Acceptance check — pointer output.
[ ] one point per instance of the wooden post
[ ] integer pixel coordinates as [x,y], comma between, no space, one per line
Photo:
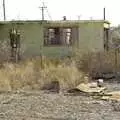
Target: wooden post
[4,10]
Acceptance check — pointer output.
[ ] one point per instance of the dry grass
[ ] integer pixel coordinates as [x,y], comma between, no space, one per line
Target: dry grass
[33,74]
[97,62]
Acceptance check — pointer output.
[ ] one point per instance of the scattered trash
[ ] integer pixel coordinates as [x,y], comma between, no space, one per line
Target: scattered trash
[100,83]
[89,88]
[115,95]
[97,90]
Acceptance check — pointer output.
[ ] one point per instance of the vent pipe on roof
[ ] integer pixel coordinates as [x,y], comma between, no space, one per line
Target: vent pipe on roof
[64,18]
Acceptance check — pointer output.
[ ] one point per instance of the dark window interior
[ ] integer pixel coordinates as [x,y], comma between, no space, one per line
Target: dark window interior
[57,36]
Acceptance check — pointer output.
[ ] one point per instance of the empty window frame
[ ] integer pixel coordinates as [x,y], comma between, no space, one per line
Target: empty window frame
[57,36]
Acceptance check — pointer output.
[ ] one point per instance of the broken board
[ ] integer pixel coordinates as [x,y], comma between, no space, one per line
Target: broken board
[87,89]
[115,95]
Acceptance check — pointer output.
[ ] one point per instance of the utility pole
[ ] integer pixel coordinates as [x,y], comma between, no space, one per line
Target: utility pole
[104,13]
[43,8]
[4,10]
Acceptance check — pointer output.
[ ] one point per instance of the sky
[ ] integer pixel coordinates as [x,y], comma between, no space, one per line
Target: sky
[72,9]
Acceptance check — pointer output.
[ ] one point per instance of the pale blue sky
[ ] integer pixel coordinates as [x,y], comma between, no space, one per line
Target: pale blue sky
[28,9]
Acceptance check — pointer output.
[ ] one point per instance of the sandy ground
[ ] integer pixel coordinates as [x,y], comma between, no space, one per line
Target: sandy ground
[37,105]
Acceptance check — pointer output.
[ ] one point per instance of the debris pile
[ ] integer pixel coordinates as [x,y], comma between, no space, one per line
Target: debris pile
[115,95]
[92,88]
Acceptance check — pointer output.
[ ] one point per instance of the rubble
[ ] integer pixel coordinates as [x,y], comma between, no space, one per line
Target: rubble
[97,90]
[115,95]
[88,89]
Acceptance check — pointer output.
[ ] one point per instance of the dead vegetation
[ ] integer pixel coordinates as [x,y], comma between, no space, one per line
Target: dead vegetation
[34,74]
[98,63]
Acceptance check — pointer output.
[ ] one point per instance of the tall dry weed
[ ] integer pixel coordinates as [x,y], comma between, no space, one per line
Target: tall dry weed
[34,74]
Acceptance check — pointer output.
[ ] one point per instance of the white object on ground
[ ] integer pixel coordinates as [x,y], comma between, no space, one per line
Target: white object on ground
[100,82]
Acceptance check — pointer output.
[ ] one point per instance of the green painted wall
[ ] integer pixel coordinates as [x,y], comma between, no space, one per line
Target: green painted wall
[57,51]
[89,34]
[31,37]
[4,32]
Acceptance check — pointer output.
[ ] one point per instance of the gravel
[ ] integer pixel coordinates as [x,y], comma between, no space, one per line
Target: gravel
[38,105]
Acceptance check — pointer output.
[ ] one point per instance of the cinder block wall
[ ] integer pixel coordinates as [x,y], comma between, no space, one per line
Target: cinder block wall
[91,36]
[88,36]
[31,37]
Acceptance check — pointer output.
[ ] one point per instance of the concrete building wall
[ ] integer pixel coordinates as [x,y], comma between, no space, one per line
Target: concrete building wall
[32,40]
[31,37]
[75,36]
[91,36]
[57,51]
[4,32]
[63,49]
[86,36]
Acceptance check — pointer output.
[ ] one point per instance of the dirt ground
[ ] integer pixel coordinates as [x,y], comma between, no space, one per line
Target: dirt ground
[37,105]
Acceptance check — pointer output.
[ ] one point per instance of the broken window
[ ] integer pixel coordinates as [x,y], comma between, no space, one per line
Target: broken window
[57,36]
[67,38]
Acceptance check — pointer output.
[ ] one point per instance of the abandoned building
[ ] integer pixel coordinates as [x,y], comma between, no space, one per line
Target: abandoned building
[58,38]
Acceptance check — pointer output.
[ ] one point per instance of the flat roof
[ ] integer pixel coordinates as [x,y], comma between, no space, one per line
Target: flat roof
[71,23]
[77,21]
[22,21]
[54,21]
